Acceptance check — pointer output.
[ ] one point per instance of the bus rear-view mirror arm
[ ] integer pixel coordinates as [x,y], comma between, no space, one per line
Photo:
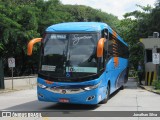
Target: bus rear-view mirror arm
[100,47]
[31,44]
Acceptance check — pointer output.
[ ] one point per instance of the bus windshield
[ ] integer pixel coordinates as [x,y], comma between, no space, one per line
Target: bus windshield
[69,55]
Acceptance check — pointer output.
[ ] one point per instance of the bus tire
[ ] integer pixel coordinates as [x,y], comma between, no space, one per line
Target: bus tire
[122,87]
[107,95]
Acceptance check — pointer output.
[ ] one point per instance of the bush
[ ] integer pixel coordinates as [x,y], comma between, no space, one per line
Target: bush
[156,84]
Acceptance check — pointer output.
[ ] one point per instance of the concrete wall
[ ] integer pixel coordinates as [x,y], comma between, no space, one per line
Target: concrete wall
[149,43]
[25,81]
[149,67]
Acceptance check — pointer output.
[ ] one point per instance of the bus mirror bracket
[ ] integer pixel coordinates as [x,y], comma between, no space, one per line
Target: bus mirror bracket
[31,44]
[100,47]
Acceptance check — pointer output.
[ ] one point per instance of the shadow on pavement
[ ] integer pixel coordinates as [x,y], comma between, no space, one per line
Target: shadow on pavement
[44,106]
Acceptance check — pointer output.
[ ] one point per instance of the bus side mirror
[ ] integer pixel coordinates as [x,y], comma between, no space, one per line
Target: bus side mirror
[100,47]
[31,44]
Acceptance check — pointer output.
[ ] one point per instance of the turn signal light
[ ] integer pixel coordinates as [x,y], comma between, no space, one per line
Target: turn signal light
[49,82]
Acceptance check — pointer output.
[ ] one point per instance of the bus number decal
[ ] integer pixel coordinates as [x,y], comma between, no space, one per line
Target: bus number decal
[82,69]
[48,68]
[59,36]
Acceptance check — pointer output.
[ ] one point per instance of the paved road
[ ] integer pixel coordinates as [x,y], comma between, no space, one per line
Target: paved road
[132,98]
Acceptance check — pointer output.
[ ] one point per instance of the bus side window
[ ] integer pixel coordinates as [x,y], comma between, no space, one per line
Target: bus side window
[103,59]
[105,52]
[110,47]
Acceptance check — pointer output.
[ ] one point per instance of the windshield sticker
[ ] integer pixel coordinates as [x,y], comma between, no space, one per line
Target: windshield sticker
[57,36]
[77,38]
[48,68]
[82,69]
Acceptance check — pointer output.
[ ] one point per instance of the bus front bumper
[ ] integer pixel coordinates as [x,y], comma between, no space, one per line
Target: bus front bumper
[75,96]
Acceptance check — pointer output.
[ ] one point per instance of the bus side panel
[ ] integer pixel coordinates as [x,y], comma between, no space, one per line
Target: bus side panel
[116,74]
[111,74]
[123,75]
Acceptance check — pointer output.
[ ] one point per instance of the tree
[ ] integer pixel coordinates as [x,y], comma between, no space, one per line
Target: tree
[18,25]
[22,20]
[133,29]
[154,19]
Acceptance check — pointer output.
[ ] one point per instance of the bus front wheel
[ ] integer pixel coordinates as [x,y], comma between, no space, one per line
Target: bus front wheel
[107,95]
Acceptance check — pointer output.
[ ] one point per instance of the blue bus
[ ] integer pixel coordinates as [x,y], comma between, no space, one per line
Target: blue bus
[80,63]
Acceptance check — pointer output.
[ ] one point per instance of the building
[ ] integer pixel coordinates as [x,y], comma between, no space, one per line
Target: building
[152,58]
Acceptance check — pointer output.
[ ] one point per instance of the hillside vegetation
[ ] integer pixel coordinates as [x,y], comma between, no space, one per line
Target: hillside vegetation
[22,20]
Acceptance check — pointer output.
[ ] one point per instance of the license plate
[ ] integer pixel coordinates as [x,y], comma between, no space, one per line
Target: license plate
[64,100]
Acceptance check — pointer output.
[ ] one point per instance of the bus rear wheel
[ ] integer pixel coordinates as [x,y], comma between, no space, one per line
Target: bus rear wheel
[122,87]
[107,95]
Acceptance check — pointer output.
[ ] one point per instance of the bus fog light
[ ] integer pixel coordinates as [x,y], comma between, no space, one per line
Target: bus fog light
[40,95]
[90,98]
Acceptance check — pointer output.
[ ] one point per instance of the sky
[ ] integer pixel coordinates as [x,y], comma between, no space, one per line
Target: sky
[115,7]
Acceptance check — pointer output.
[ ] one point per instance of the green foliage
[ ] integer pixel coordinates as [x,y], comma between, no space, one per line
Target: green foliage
[18,24]
[22,20]
[154,23]
[1,46]
[80,13]
[145,23]
[134,29]
[156,84]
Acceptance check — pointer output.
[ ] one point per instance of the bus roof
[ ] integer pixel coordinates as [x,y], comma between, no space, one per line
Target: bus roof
[81,27]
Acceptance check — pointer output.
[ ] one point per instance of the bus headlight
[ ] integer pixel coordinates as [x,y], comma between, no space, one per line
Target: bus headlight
[41,86]
[92,87]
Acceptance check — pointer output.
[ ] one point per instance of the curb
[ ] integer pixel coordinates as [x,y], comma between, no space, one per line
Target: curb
[18,89]
[20,77]
[7,91]
[150,89]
